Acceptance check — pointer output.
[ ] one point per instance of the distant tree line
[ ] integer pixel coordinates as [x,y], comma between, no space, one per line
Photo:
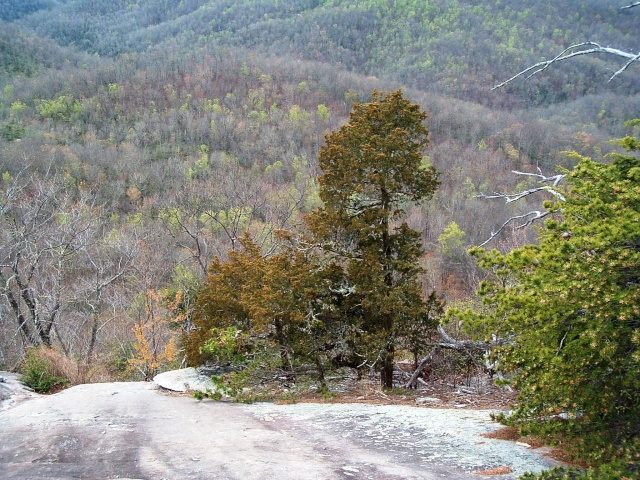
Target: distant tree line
[459,49]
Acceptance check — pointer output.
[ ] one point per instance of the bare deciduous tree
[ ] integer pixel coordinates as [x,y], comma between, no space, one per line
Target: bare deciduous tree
[58,257]
[208,216]
[42,228]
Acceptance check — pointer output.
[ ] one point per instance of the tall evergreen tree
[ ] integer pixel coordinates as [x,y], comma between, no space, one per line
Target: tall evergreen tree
[372,167]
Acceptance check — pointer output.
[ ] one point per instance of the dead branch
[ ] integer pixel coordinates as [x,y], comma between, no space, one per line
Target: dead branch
[533,215]
[416,373]
[449,343]
[512,197]
[556,179]
[579,49]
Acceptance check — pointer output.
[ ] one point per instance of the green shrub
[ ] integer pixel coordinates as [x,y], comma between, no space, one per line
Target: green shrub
[226,345]
[36,373]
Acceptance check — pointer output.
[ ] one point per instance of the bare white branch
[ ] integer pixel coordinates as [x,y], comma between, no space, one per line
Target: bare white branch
[636,4]
[585,48]
[509,198]
[530,216]
[512,197]
[556,179]
[624,67]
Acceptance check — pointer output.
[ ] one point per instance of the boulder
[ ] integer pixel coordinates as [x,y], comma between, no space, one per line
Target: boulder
[183,380]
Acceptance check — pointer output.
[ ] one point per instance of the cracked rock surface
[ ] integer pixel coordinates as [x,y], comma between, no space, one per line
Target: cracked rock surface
[137,431]
[446,442]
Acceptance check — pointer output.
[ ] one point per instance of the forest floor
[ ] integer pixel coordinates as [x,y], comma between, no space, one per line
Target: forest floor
[474,394]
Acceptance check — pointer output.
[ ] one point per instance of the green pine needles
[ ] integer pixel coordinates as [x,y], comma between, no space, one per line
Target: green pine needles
[569,311]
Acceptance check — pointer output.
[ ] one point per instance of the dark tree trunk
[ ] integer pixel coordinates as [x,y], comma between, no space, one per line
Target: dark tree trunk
[321,379]
[29,336]
[282,343]
[386,372]
[94,338]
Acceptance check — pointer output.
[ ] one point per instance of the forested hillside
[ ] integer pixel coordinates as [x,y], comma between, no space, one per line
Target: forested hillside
[161,158]
[12,10]
[457,48]
[199,133]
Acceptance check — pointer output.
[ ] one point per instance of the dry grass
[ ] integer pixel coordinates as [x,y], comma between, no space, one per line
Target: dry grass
[561,455]
[534,442]
[505,433]
[495,471]
[76,372]
[511,434]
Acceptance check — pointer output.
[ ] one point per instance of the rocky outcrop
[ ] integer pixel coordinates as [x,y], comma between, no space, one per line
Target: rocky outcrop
[12,391]
[186,379]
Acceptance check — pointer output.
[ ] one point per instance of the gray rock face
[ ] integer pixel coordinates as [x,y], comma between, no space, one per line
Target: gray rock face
[133,430]
[183,380]
[5,393]
[12,391]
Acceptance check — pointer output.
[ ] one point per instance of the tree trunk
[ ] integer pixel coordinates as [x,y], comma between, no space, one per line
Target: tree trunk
[386,372]
[282,343]
[29,336]
[93,339]
[321,379]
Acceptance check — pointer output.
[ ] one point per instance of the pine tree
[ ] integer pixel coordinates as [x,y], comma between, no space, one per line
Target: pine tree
[372,167]
[569,312]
